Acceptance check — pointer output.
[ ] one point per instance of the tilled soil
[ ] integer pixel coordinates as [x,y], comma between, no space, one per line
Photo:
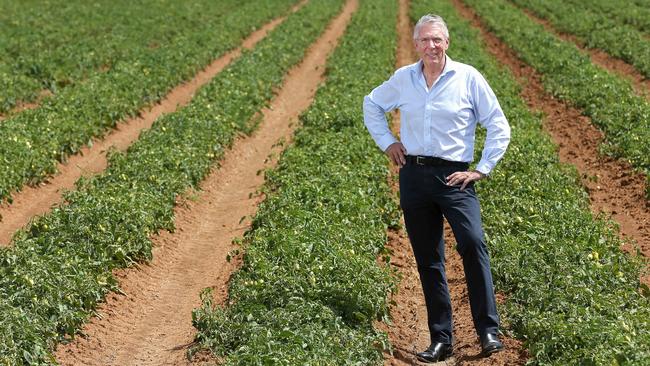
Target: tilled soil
[408,332]
[151,323]
[615,190]
[37,200]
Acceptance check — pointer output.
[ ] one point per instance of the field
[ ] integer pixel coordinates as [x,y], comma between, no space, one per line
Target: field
[191,183]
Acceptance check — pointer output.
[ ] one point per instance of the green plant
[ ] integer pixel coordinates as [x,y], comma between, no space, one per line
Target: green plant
[635,15]
[60,43]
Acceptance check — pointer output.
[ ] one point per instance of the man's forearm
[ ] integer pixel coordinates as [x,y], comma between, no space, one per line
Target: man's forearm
[374,117]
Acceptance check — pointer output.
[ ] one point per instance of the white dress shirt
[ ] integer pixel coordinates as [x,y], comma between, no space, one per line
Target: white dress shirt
[440,121]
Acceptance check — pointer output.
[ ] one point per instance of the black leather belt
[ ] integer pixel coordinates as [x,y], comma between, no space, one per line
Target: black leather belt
[434,161]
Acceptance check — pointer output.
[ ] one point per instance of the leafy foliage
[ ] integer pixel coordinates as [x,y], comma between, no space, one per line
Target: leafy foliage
[310,286]
[610,101]
[635,15]
[60,266]
[572,294]
[596,29]
[34,141]
[56,44]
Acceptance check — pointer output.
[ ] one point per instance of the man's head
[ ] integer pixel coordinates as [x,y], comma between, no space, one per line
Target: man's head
[433,20]
[431,39]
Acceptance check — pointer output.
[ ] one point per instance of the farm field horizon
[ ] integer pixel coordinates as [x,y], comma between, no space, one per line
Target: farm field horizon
[192,182]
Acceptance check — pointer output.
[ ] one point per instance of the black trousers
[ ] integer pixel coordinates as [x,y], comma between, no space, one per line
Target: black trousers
[425,199]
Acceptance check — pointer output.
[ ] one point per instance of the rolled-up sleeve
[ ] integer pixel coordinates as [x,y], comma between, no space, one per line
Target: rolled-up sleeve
[380,101]
[490,115]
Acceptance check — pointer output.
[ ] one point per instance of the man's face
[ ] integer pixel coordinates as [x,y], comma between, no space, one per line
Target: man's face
[431,44]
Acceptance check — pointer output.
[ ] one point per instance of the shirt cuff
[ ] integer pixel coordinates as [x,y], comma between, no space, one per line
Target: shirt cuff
[484,168]
[385,141]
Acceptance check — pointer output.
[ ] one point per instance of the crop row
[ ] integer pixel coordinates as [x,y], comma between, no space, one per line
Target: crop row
[596,30]
[60,266]
[34,141]
[610,101]
[54,44]
[310,286]
[635,15]
[571,294]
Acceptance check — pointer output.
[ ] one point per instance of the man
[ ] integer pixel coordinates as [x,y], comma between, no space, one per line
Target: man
[441,101]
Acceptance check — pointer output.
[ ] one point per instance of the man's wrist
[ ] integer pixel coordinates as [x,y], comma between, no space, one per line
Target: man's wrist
[481,174]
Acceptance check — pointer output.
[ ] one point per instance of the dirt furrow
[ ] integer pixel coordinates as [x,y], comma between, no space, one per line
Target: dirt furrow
[151,323]
[599,57]
[37,200]
[408,332]
[613,186]
[23,106]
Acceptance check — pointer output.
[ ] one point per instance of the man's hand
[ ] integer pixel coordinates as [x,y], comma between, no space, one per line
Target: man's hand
[464,178]
[396,152]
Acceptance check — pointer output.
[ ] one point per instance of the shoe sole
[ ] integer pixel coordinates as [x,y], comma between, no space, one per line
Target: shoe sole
[490,351]
[433,361]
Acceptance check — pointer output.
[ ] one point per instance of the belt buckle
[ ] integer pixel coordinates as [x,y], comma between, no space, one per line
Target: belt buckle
[418,161]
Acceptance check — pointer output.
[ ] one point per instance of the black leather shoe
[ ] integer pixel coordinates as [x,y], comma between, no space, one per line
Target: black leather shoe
[436,352]
[490,344]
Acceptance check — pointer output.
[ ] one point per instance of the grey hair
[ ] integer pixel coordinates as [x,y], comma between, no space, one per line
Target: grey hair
[434,20]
